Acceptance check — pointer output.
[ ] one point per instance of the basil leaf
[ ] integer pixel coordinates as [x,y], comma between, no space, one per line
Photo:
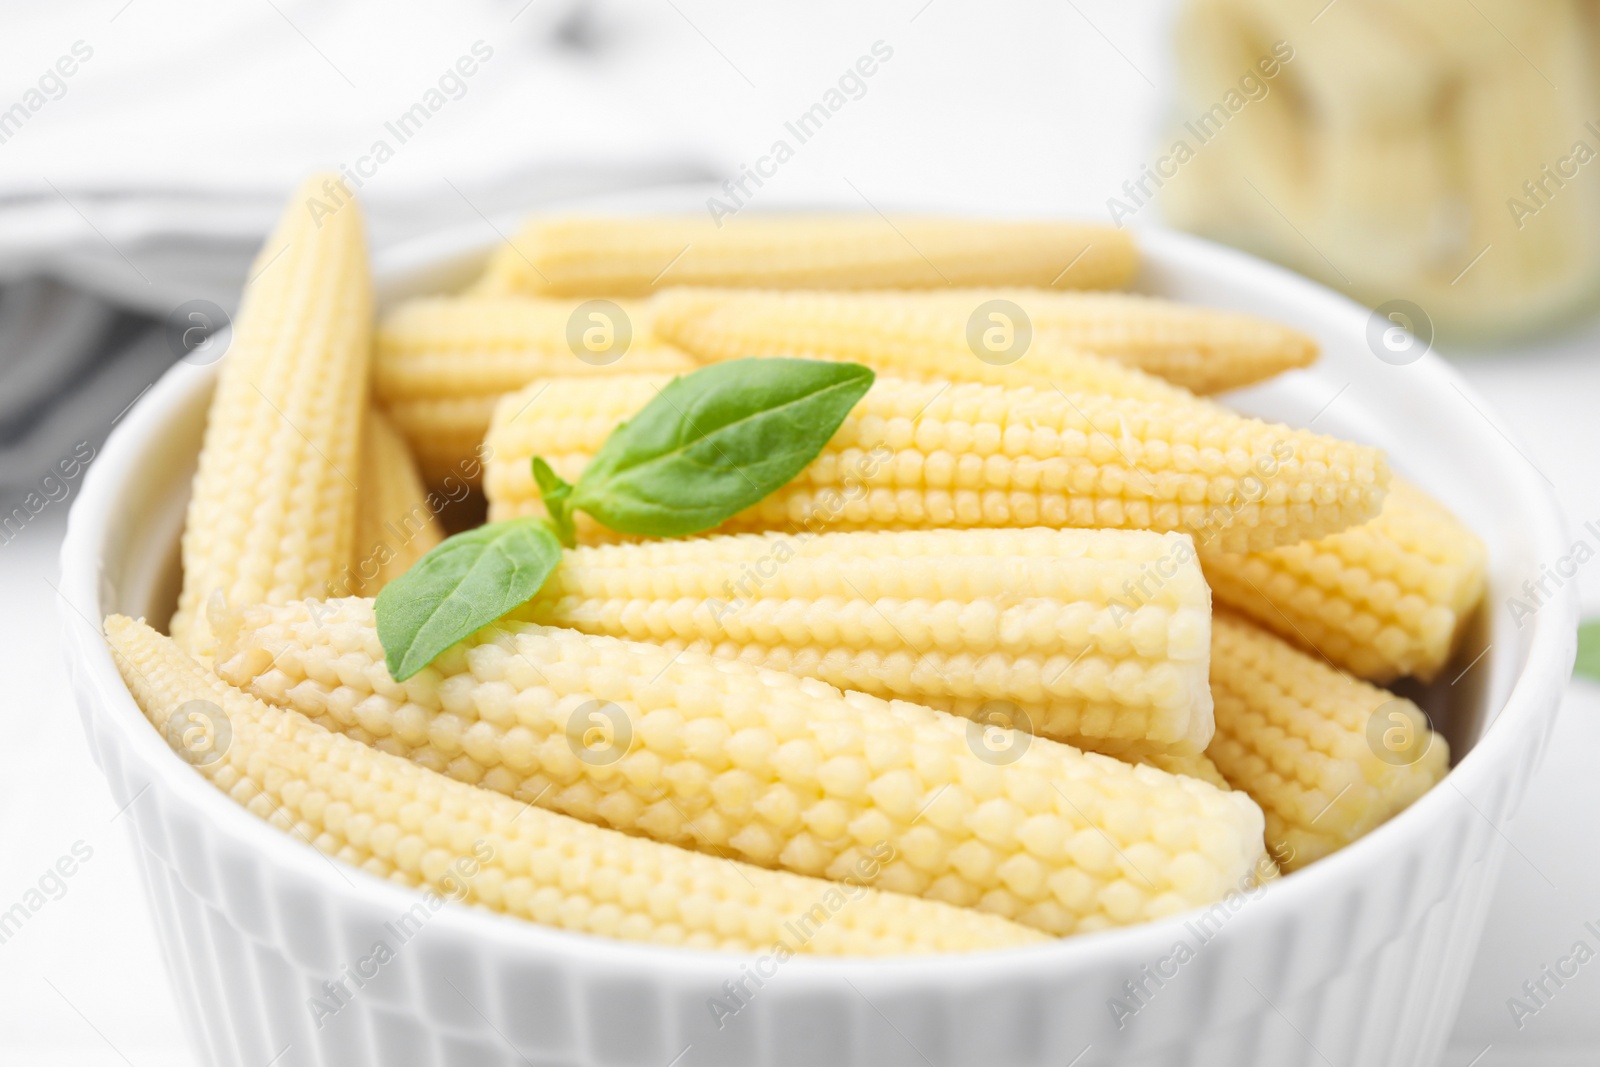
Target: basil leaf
[715,442]
[557,494]
[465,582]
[1588,663]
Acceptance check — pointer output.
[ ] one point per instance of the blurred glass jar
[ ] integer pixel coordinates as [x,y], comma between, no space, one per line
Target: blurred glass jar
[1430,151]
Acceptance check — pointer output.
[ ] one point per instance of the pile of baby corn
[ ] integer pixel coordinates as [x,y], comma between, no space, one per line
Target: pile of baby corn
[1034,647]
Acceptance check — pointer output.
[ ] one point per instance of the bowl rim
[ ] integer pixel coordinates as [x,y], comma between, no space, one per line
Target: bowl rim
[1550,649]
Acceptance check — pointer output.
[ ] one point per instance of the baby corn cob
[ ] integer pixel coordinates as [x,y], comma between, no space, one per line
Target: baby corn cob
[405,823]
[905,335]
[472,346]
[771,768]
[946,334]
[445,435]
[1383,599]
[272,516]
[395,522]
[1198,766]
[1037,622]
[618,256]
[1299,737]
[1205,350]
[442,363]
[931,454]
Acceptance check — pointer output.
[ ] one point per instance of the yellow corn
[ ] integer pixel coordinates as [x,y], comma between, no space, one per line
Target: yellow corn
[619,256]
[396,520]
[1203,349]
[768,767]
[1384,599]
[410,825]
[1196,766]
[1026,625]
[1004,336]
[1305,740]
[875,330]
[466,346]
[441,363]
[446,435]
[272,516]
[933,454]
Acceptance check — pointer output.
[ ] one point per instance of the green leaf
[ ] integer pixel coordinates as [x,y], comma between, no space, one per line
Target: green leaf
[1588,663]
[715,442]
[466,582]
[557,496]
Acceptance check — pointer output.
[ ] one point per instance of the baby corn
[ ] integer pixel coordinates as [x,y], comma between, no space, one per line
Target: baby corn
[405,823]
[931,454]
[1035,626]
[272,516]
[395,524]
[1205,350]
[446,435]
[905,335]
[1304,740]
[1199,766]
[618,256]
[1004,336]
[771,768]
[1383,599]
[441,363]
[466,346]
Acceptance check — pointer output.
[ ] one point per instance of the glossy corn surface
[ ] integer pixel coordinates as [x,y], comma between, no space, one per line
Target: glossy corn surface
[1199,766]
[935,454]
[1327,756]
[1206,350]
[446,434]
[623,256]
[272,515]
[442,363]
[770,768]
[1385,599]
[400,821]
[465,346]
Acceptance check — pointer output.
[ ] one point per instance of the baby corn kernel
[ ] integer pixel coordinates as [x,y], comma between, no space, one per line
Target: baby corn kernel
[1384,599]
[1037,627]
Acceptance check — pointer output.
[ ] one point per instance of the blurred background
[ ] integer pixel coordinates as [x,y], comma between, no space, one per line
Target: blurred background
[1433,159]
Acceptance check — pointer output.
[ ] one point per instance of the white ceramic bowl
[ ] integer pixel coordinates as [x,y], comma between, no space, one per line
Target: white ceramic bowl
[1359,959]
